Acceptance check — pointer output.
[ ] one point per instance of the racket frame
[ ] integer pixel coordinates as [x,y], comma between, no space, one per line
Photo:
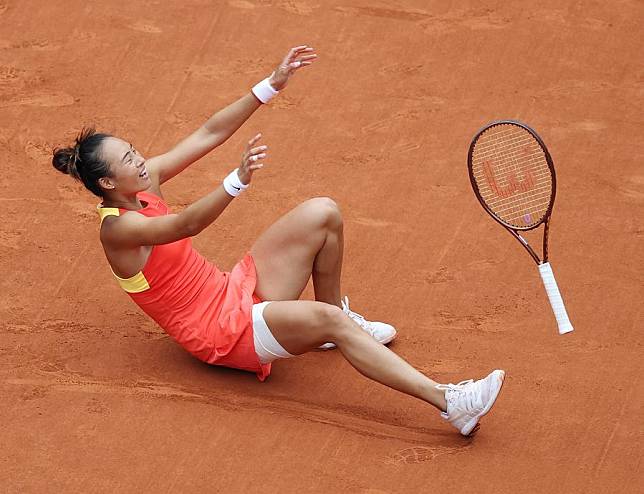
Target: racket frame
[546,217]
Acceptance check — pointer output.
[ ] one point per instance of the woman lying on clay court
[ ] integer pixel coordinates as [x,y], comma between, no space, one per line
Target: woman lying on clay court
[251,316]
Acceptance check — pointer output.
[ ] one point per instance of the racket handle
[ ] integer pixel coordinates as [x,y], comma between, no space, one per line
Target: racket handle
[554,296]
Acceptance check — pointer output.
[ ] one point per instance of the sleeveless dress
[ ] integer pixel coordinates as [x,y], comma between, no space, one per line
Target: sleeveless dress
[208,312]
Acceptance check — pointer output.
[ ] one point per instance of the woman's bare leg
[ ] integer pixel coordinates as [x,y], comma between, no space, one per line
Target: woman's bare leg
[306,241]
[301,326]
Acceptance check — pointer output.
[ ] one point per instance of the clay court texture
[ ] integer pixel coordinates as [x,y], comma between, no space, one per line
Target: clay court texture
[96,398]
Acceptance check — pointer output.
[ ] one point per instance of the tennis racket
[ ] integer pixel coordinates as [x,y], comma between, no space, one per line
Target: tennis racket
[513,177]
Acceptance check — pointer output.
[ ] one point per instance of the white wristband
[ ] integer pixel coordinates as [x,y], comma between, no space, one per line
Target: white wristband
[263,91]
[232,184]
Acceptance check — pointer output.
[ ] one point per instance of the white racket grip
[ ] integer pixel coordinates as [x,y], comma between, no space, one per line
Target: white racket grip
[554,296]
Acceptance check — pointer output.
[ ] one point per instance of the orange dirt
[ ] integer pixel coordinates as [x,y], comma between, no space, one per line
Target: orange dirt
[96,398]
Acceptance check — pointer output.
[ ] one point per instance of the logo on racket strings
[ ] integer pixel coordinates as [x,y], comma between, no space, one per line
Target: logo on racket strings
[514,184]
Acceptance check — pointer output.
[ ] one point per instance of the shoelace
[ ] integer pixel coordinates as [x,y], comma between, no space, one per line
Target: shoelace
[359,319]
[455,387]
[471,399]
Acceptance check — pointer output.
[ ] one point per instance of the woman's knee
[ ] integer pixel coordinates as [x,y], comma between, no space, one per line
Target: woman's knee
[331,320]
[325,212]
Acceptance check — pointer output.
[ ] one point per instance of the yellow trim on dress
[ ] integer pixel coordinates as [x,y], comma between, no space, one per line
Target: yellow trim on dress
[105,212]
[134,284]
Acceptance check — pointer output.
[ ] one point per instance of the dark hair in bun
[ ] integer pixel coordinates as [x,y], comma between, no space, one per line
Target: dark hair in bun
[83,161]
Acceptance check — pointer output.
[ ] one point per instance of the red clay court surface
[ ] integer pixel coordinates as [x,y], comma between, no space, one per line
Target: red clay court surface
[95,398]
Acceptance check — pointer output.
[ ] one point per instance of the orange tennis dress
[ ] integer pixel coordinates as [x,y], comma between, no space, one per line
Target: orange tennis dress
[207,311]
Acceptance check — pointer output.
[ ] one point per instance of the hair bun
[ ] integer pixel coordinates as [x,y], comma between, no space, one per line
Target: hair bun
[64,161]
[83,160]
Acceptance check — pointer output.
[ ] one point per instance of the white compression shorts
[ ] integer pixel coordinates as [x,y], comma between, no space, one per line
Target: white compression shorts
[266,346]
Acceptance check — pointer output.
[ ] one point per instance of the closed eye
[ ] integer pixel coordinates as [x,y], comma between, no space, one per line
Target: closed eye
[128,153]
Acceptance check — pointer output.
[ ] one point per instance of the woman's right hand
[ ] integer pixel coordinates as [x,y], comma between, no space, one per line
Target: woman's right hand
[250,159]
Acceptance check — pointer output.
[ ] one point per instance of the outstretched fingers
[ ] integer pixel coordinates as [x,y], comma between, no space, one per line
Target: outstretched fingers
[296,58]
[253,154]
[253,140]
[299,56]
[250,158]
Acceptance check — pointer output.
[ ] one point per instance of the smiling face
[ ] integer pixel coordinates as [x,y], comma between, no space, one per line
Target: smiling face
[127,167]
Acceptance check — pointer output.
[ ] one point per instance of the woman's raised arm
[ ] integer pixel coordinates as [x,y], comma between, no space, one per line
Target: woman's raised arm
[225,122]
[134,230]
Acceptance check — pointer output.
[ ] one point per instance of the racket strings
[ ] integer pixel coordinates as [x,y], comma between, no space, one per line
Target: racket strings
[528,202]
[512,175]
[523,209]
[509,146]
[502,178]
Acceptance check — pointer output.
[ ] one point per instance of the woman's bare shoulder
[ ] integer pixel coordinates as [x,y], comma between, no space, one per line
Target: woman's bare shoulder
[114,226]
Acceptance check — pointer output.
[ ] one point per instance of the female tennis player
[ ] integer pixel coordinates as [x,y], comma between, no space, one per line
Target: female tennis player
[251,316]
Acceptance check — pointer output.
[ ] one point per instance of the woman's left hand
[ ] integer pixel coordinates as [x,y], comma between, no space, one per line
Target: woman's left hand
[297,57]
[250,158]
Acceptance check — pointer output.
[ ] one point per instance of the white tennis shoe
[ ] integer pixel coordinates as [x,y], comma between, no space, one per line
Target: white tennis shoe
[469,400]
[381,332]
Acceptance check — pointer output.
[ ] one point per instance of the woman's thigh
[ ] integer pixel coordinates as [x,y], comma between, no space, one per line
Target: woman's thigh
[285,252]
[300,326]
